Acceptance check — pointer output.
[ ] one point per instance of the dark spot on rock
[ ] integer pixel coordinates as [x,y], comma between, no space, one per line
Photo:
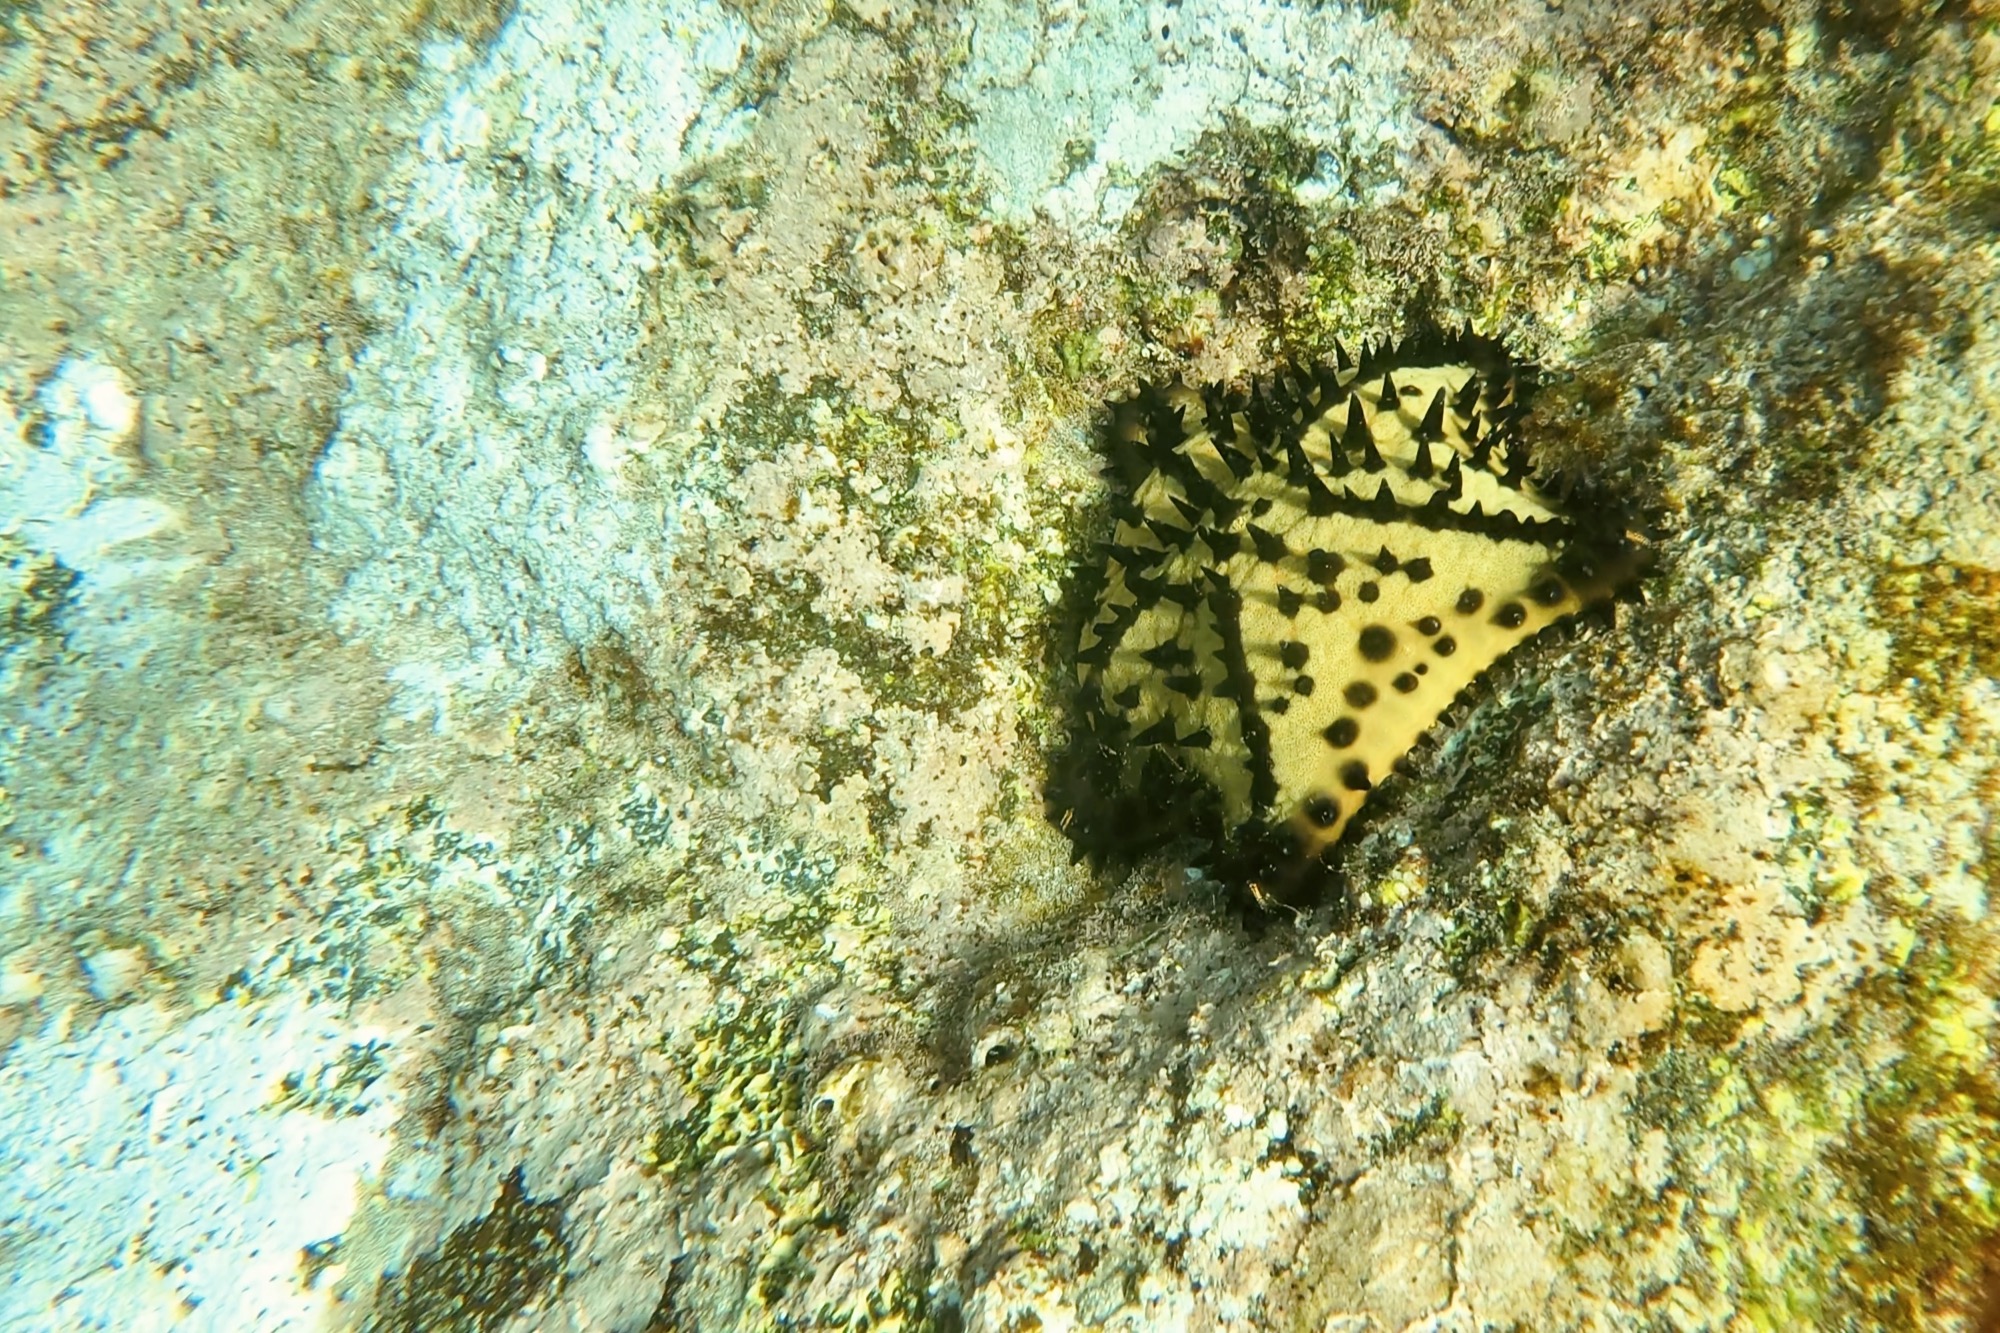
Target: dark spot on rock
[1327,600]
[1429,625]
[1359,694]
[1418,570]
[1445,647]
[500,1264]
[1378,642]
[1322,811]
[1303,685]
[1404,683]
[1354,775]
[1548,592]
[1289,602]
[1511,615]
[1470,600]
[1368,592]
[1294,654]
[1342,732]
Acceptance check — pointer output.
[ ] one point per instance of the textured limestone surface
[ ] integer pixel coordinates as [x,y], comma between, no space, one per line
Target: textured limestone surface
[115,1139]
[513,263]
[543,548]
[1075,103]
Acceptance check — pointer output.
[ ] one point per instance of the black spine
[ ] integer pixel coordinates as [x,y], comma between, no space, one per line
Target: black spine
[1432,426]
[1359,439]
[1468,398]
[1270,546]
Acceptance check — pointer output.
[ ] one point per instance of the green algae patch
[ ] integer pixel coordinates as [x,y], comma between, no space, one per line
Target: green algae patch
[35,590]
[340,1086]
[1843,1187]
[488,1272]
[901,1304]
[1920,1159]
[744,1082]
[1676,1090]
[743,1071]
[922,133]
[786,617]
[878,480]
[1431,1130]
[1945,619]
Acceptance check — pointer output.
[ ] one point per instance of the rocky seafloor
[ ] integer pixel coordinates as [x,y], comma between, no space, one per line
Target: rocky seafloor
[541,545]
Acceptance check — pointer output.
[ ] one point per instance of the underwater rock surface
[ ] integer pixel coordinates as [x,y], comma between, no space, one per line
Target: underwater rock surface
[547,546]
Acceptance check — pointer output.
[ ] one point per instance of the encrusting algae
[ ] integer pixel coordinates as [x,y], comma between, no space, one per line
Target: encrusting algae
[1300,580]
